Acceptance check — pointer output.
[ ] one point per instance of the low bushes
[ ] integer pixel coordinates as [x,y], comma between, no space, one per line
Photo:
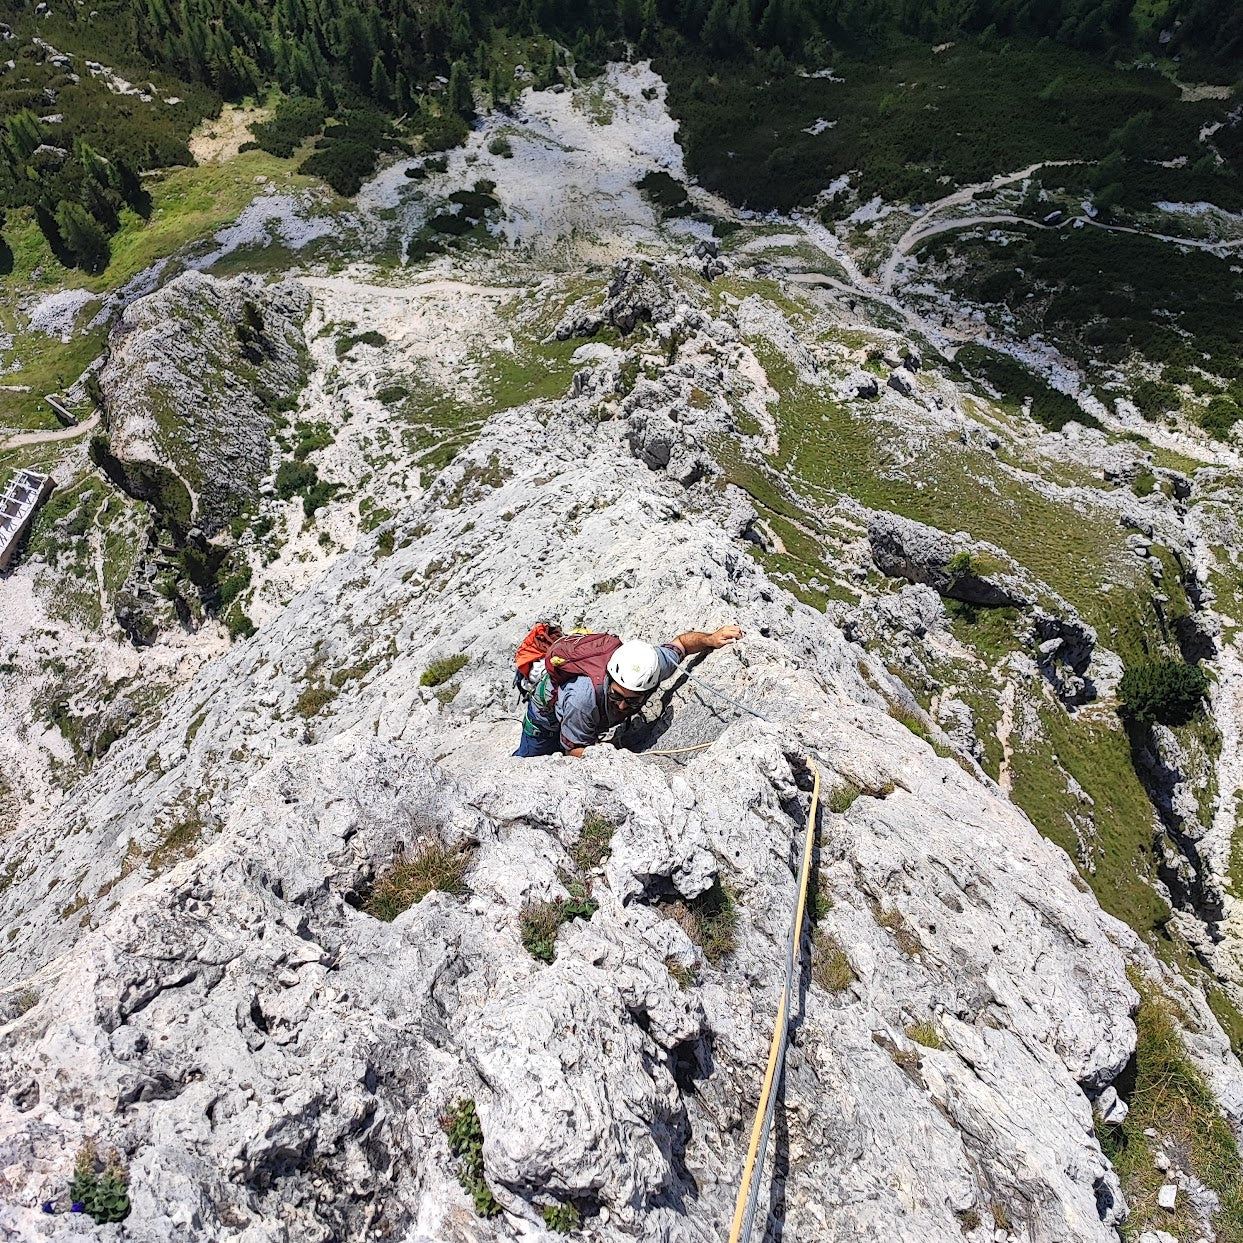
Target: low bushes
[440,671]
[541,921]
[1164,691]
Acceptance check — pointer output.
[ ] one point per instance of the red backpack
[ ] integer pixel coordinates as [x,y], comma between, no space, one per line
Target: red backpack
[577,655]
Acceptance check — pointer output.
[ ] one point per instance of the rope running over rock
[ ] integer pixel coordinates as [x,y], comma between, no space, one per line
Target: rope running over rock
[752,1170]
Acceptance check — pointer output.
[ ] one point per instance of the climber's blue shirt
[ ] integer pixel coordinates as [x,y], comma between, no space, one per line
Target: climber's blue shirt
[580,715]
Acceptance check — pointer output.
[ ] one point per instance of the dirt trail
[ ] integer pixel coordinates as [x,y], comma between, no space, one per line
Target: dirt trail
[23,439]
[959,198]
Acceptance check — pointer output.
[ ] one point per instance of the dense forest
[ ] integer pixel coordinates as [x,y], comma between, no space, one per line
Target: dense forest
[365,76]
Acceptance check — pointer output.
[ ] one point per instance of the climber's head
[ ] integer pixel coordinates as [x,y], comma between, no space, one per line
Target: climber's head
[634,671]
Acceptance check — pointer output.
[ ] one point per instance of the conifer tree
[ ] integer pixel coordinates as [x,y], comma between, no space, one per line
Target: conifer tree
[459,97]
[498,89]
[83,236]
[381,83]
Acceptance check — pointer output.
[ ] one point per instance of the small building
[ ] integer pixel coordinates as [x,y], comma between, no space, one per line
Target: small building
[18,502]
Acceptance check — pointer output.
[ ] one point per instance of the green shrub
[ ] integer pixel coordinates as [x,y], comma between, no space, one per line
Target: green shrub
[100,1187]
[501,146]
[294,477]
[317,496]
[233,585]
[443,133]
[1168,691]
[562,1218]
[1154,399]
[239,625]
[962,565]
[293,120]
[440,671]
[409,881]
[1220,416]
[461,1124]
[370,337]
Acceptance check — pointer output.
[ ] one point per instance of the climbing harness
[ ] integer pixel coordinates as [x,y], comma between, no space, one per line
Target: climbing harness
[753,1168]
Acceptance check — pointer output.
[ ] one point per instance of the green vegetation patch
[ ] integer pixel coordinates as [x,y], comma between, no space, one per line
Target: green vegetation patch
[710,920]
[440,671]
[594,843]
[1092,293]
[911,123]
[541,921]
[100,1186]
[1168,1095]
[830,967]
[294,120]
[1168,691]
[562,1218]
[461,1124]
[410,880]
[1017,386]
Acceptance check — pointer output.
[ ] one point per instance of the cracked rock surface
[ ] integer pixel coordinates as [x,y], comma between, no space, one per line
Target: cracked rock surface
[274,1062]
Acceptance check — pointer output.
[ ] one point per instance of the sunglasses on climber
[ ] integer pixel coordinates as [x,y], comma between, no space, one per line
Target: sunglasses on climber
[623,701]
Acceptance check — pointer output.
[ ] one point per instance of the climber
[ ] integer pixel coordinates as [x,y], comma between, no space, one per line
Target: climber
[593,682]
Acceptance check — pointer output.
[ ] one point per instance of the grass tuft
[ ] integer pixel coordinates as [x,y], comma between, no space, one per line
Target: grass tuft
[925,1033]
[409,881]
[440,671]
[893,921]
[594,842]
[830,968]
[710,920]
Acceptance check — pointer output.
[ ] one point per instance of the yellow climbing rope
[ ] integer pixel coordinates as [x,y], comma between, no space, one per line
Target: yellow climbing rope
[699,746]
[748,1190]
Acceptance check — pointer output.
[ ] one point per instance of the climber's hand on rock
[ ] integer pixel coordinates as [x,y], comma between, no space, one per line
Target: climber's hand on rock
[723,636]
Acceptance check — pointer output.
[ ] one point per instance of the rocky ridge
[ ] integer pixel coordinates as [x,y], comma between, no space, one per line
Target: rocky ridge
[193,374]
[273,1061]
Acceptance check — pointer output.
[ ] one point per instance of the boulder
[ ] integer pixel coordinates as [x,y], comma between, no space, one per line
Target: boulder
[899,382]
[904,548]
[638,291]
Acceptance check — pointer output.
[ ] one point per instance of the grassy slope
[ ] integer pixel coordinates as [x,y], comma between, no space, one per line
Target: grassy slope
[187,204]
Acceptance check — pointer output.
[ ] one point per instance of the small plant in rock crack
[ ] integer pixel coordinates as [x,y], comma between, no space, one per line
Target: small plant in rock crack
[710,920]
[461,1124]
[540,921]
[562,1218]
[412,878]
[594,842]
[100,1188]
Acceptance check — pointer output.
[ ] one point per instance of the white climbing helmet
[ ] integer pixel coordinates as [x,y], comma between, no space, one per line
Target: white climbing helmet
[635,666]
